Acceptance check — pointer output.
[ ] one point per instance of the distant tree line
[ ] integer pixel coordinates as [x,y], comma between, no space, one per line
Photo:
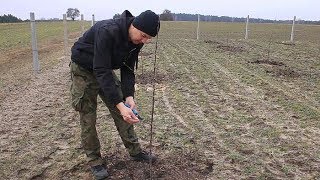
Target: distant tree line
[168,16]
[211,18]
[71,13]
[9,19]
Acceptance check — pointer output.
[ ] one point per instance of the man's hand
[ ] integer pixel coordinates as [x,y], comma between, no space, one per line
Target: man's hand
[127,114]
[130,102]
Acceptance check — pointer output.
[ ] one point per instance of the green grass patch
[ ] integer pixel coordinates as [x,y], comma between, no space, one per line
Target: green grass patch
[17,35]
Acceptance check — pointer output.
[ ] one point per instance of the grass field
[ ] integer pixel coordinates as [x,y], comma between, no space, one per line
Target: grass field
[225,107]
[15,47]
[17,35]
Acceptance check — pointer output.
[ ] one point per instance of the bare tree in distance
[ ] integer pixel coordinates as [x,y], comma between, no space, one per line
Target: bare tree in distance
[166,15]
[73,13]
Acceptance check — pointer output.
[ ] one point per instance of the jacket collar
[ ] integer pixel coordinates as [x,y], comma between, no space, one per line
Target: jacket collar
[126,14]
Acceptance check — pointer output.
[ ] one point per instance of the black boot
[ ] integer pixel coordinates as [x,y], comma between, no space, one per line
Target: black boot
[99,172]
[144,156]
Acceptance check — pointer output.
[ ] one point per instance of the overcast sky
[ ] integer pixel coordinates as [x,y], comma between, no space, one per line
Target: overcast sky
[105,9]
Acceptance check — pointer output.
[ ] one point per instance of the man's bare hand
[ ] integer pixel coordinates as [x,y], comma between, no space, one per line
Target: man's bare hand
[130,102]
[127,114]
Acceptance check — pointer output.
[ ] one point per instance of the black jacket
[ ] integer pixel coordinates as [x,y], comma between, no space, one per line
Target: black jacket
[105,47]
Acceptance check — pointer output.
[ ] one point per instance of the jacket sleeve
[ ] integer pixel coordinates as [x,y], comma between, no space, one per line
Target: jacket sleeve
[102,66]
[127,74]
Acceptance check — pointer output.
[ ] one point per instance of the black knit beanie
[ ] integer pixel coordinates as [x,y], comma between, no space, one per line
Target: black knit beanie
[147,22]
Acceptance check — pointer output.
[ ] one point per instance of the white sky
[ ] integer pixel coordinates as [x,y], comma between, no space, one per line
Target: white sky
[105,9]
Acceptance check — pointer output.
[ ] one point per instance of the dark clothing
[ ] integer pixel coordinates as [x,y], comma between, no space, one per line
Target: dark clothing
[105,47]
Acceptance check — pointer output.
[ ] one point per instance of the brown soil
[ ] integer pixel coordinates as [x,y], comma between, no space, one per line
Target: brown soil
[226,47]
[270,62]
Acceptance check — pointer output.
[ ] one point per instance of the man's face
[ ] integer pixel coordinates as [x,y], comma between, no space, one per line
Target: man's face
[138,37]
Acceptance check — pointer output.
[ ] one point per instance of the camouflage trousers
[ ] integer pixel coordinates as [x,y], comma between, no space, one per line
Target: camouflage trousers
[84,91]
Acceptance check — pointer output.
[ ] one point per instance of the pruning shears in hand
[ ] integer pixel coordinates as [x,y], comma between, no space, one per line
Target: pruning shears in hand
[135,112]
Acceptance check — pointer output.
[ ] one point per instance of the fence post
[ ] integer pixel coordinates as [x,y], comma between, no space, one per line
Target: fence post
[92,23]
[36,66]
[292,30]
[198,28]
[82,23]
[247,26]
[65,36]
